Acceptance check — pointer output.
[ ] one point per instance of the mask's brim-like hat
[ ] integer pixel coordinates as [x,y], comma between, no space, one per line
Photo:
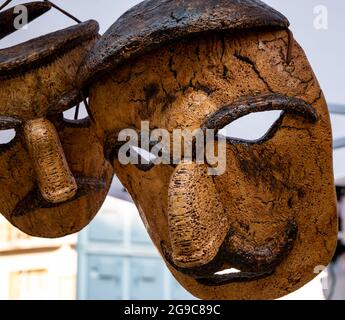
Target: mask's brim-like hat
[33,54]
[153,23]
[40,51]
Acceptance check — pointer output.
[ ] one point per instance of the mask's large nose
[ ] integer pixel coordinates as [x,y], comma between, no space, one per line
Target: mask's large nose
[55,179]
[198,224]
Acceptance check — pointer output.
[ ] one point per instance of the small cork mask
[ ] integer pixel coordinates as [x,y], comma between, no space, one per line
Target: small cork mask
[204,64]
[54,177]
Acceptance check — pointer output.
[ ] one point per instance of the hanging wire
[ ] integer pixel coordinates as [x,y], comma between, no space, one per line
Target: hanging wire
[52,4]
[76,114]
[63,11]
[5,4]
[87,107]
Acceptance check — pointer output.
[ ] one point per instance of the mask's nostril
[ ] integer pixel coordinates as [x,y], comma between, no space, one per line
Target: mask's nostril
[55,179]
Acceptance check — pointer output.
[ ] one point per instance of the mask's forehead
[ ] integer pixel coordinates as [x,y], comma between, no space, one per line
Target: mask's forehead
[171,87]
[38,76]
[151,24]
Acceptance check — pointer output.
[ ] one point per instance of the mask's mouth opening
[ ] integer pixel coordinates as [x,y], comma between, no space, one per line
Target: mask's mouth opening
[239,260]
[227,271]
[34,200]
[233,277]
[215,273]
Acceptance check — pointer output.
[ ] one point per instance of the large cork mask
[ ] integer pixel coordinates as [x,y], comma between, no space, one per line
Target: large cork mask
[203,64]
[54,177]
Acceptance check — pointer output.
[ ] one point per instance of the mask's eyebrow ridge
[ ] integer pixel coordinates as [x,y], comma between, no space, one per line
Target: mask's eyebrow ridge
[267,102]
[7,123]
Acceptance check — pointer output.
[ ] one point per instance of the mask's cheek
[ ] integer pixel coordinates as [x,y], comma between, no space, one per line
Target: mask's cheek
[17,176]
[267,184]
[287,177]
[84,153]
[149,191]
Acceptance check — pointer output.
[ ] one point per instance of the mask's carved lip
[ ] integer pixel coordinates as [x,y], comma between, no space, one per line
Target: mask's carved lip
[255,263]
[34,199]
[219,280]
[261,103]
[206,275]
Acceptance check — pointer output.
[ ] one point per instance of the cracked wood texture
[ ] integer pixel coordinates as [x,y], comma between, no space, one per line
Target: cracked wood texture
[53,174]
[152,23]
[275,205]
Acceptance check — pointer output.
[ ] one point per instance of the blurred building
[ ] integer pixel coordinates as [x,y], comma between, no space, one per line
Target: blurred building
[113,258]
[336,270]
[117,259]
[34,268]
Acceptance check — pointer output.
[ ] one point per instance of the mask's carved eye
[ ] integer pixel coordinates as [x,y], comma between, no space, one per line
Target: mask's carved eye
[144,154]
[143,159]
[7,136]
[76,113]
[228,271]
[252,127]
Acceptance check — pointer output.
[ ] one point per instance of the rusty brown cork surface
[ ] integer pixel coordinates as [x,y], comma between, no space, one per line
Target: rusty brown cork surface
[44,72]
[54,177]
[179,65]
[152,23]
[272,214]
[34,53]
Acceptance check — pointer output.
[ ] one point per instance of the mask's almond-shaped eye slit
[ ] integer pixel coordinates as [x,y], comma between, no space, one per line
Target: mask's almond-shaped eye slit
[145,158]
[7,136]
[252,128]
[77,113]
[144,154]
